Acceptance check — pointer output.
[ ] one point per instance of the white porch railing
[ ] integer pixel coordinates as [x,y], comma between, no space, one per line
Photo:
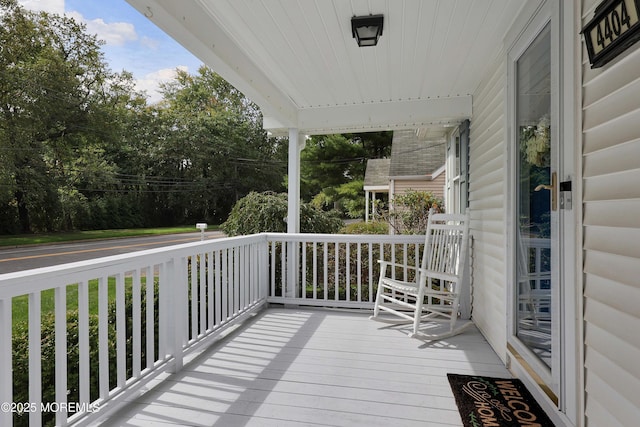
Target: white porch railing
[139,315]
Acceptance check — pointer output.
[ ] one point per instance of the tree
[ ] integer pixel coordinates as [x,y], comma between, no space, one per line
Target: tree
[377,145]
[348,199]
[330,161]
[55,91]
[333,168]
[209,145]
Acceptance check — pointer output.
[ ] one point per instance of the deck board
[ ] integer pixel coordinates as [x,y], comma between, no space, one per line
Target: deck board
[292,367]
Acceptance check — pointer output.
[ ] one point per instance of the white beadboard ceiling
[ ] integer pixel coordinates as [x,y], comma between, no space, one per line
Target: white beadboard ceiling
[298,61]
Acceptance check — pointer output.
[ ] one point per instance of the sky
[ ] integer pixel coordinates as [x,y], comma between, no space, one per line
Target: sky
[133,43]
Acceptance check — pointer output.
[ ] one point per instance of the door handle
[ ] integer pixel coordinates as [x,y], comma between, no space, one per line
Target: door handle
[551,187]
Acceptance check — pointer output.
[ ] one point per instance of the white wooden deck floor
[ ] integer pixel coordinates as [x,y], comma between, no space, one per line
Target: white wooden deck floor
[295,367]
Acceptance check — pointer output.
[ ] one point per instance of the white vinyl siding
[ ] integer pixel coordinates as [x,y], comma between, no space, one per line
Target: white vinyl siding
[611,172]
[487,206]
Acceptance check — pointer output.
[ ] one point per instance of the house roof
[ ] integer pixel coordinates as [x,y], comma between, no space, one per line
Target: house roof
[377,173]
[412,155]
[298,61]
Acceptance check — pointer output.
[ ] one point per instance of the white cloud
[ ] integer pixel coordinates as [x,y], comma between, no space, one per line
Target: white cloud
[51,6]
[150,83]
[152,44]
[114,33]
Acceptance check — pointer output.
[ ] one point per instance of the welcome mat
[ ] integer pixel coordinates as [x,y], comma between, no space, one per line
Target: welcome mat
[496,402]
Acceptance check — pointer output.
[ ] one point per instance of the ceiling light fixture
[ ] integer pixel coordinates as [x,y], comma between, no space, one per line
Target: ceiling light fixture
[367,29]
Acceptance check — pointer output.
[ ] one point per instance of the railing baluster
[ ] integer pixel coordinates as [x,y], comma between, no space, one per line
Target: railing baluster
[6,359]
[241,277]
[60,296]
[217,255]
[121,332]
[393,259]
[236,280]
[303,270]
[225,285]
[283,267]
[194,297]
[83,341]
[151,333]
[249,271]
[336,273]
[202,264]
[315,270]
[250,268]
[103,335]
[35,359]
[326,269]
[163,315]
[371,272]
[359,267]
[211,295]
[263,273]
[347,264]
[136,325]
[178,315]
[405,274]
[273,269]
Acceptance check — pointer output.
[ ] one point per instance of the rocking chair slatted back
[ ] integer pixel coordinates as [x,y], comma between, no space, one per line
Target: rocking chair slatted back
[444,247]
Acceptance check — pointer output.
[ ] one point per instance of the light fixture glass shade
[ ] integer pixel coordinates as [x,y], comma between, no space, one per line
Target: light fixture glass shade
[367,29]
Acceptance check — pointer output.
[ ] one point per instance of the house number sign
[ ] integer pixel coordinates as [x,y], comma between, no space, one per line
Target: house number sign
[614,27]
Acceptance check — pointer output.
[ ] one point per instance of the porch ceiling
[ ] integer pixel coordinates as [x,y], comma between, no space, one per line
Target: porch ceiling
[298,61]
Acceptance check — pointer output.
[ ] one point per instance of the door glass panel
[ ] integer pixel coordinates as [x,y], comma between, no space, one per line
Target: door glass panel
[534,188]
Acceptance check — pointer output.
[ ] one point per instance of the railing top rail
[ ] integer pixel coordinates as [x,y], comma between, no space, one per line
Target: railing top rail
[346,238]
[22,282]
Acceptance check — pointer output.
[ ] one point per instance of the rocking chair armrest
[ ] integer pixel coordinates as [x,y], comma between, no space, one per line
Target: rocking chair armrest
[436,275]
[384,264]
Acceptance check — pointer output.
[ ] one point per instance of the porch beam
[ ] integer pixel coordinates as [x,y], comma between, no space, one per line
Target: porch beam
[385,115]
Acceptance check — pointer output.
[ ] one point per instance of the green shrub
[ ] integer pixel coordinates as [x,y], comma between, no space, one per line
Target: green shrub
[267,212]
[411,211]
[373,227]
[20,347]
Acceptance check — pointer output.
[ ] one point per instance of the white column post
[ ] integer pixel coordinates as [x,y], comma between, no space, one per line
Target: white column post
[295,147]
[366,206]
[373,205]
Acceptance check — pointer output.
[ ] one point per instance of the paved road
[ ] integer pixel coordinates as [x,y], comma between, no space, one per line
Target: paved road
[27,257]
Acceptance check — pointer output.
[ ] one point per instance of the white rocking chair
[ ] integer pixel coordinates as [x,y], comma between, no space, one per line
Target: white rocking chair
[435,294]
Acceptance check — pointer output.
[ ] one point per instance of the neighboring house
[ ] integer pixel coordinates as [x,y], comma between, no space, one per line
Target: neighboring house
[418,159]
[418,163]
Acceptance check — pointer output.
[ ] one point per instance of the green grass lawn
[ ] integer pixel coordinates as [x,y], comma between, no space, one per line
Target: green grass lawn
[34,239]
[20,307]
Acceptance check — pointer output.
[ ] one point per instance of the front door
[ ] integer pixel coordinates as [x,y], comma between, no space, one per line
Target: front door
[535,330]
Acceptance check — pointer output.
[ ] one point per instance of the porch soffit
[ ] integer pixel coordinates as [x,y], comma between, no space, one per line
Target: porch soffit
[298,61]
